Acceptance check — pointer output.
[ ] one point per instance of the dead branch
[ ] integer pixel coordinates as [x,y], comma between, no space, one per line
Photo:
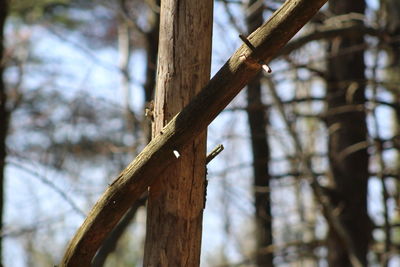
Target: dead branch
[241,68]
[330,32]
[215,152]
[46,181]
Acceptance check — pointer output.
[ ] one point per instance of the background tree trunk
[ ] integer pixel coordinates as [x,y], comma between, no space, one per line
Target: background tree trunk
[260,149]
[150,165]
[390,15]
[151,54]
[176,201]
[151,38]
[348,139]
[4,115]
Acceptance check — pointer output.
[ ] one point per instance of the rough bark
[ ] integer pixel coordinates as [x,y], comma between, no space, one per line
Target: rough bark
[4,115]
[148,166]
[260,149]
[177,198]
[347,141]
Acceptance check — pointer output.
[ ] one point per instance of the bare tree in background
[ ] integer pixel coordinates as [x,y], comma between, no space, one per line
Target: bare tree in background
[346,122]
[102,141]
[258,121]
[389,20]
[177,200]
[151,47]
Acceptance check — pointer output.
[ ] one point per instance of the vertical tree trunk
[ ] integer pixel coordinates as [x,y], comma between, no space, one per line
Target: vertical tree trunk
[260,148]
[348,140]
[176,201]
[124,51]
[4,116]
[390,14]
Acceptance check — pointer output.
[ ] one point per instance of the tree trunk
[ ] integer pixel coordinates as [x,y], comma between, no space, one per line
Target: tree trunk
[149,165]
[260,149]
[348,140]
[4,115]
[390,14]
[176,201]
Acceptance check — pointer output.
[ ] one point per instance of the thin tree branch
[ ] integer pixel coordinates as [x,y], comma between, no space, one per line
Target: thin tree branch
[50,184]
[330,32]
[231,17]
[328,209]
[381,168]
[215,152]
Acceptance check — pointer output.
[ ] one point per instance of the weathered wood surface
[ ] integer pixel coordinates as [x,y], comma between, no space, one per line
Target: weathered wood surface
[177,197]
[187,125]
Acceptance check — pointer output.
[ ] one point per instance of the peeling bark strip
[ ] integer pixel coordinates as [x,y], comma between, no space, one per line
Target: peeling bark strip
[240,69]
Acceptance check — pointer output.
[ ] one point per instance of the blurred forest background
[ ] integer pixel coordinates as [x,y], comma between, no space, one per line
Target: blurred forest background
[76,78]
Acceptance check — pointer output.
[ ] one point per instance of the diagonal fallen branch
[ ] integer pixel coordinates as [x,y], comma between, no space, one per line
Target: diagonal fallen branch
[241,68]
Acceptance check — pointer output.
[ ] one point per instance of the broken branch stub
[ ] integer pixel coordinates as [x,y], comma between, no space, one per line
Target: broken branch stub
[239,70]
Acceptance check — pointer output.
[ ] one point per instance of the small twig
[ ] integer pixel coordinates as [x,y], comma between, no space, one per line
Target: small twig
[50,184]
[327,208]
[264,65]
[218,149]
[231,17]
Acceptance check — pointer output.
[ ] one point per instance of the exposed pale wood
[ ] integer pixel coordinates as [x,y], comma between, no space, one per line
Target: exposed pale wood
[177,198]
[188,124]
